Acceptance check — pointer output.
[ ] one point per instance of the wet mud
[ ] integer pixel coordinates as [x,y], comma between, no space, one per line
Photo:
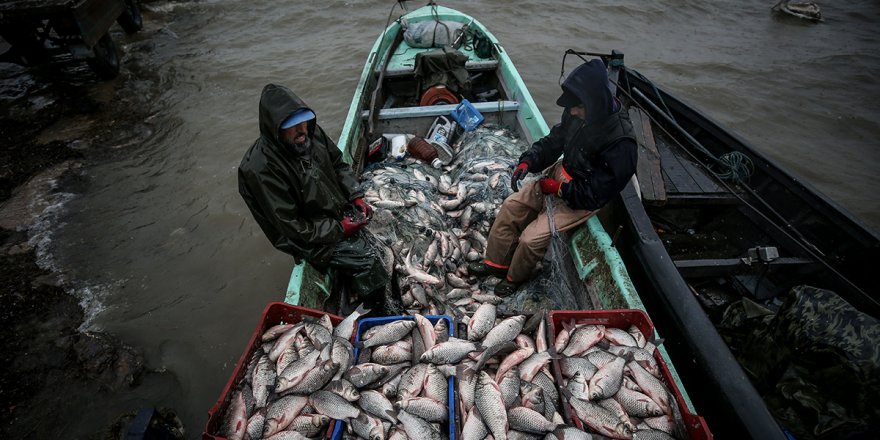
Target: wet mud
[53,119]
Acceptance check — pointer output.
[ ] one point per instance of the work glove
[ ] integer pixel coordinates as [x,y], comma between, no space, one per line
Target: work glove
[550,186]
[350,226]
[365,208]
[518,174]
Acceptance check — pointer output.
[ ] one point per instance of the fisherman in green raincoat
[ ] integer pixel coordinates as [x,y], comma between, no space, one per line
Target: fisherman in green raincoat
[305,197]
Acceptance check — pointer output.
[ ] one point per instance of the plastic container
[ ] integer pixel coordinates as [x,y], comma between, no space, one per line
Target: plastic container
[468,117]
[398,147]
[440,135]
[623,318]
[420,149]
[368,323]
[275,313]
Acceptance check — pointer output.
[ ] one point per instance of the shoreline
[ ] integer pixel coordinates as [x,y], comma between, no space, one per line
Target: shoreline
[54,123]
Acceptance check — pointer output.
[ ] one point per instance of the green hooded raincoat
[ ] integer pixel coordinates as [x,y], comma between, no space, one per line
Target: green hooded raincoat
[299,200]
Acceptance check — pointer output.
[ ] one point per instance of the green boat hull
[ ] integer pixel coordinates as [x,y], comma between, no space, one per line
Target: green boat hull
[598,263]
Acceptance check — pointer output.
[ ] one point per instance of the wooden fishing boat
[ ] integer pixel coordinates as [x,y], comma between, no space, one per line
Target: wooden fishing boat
[380,106]
[710,220]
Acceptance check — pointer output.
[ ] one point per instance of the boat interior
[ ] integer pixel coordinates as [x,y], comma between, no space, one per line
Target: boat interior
[400,101]
[724,235]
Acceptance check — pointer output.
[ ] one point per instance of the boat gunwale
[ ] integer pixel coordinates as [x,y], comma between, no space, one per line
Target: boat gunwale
[530,118]
[836,213]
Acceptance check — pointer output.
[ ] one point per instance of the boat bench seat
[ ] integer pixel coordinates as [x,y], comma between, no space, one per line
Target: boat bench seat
[402,62]
[442,110]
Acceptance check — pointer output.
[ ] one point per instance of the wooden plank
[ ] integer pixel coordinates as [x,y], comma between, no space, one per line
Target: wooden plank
[680,180]
[648,170]
[733,266]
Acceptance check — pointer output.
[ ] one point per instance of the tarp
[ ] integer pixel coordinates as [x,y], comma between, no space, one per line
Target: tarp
[816,362]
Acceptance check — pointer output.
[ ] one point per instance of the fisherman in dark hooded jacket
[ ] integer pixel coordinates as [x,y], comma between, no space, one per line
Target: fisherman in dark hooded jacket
[599,154]
[305,197]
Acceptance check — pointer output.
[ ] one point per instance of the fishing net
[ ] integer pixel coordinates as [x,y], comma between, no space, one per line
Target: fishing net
[557,285]
[436,221]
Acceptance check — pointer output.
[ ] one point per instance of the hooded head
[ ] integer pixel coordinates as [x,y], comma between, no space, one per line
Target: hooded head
[588,85]
[281,109]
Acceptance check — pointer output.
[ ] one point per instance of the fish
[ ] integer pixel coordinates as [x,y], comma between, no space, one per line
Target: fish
[490,403]
[513,359]
[531,366]
[255,425]
[362,375]
[309,425]
[607,380]
[276,330]
[263,380]
[281,413]
[332,405]
[425,408]
[387,333]
[236,417]
[527,420]
[450,351]
[583,338]
[344,388]
[505,331]
[481,322]
[509,386]
[346,327]
[417,428]
[597,418]
[474,428]
[650,385]
[378,405]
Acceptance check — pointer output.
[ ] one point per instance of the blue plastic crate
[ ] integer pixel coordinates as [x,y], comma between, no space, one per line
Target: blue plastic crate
[467,116]
[365,324]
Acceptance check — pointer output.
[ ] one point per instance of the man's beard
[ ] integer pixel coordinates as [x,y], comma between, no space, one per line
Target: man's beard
[300,149]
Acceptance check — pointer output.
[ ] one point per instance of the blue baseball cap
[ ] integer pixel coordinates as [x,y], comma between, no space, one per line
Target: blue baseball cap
[298,117]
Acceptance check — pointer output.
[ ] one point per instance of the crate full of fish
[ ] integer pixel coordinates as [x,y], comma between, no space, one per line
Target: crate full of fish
[505,386]
[398,387]
[613,379]
[275,388]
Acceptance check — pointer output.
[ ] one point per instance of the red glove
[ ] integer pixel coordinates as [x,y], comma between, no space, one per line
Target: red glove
[518,174]
[365,208]
[550,186]
[350,226]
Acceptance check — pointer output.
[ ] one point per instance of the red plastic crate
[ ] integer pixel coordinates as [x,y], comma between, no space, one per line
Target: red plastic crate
[623,318]
[275,313]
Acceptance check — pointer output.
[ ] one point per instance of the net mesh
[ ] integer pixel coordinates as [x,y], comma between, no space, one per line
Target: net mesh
[436,221]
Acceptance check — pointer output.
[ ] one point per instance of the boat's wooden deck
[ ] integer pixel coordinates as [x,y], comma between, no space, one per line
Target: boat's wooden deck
[667,175]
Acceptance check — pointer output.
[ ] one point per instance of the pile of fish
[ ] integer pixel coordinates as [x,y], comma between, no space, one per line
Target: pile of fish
[280,396]
[399,387]
[613,383]
[436,221]
[506,391]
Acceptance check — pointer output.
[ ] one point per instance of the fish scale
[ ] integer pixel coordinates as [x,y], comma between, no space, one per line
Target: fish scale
[377,404]
[607,381]
[490,403]
[281,413]
[417,428]
[388,333]
[524,419]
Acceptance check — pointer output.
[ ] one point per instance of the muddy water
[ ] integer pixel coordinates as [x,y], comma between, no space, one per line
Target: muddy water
[165,255]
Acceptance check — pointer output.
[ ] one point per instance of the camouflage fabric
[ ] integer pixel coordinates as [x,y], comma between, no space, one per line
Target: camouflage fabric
[816,362]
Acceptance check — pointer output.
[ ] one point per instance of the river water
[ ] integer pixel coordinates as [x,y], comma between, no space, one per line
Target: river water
[166,256]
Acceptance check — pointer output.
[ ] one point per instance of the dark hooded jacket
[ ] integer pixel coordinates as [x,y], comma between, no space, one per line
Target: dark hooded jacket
[600,153]
[298,200]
